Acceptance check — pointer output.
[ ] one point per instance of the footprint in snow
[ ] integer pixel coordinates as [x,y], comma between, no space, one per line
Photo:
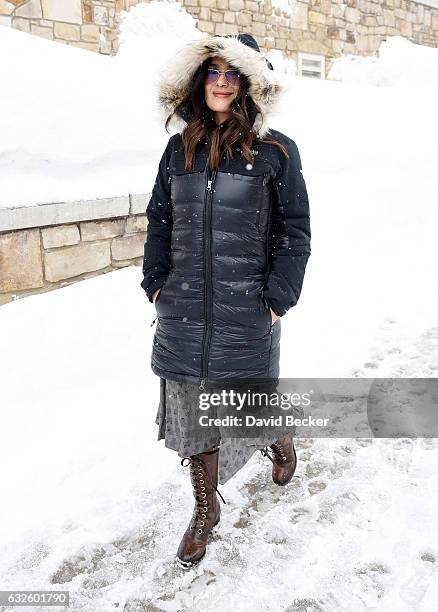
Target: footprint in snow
[424,575]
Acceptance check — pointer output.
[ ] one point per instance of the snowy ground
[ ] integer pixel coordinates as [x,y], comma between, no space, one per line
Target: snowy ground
[94,505]
[97,507]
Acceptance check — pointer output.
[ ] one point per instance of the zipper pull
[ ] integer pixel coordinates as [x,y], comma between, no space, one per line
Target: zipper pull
[154,320]
[202,385]
[209,182]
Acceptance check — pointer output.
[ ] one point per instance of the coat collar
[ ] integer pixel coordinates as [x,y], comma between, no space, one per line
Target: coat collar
[174,81]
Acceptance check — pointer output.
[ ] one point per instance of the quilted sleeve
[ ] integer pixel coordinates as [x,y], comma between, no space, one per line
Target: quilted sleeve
[290,246]
[156,261]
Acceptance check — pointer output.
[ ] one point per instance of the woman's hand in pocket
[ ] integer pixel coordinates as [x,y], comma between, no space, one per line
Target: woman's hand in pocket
[274,317]
[155,295]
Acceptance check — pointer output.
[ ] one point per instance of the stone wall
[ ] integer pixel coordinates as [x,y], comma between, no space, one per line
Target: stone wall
[48,246]
[325,27]
[90,24]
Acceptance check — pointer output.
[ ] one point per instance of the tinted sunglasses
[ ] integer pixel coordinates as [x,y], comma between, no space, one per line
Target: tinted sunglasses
[232,76]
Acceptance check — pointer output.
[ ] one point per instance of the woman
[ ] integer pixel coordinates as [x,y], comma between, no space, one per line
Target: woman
[228,241]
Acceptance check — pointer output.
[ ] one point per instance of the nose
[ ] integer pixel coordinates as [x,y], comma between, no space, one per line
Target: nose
[222,80]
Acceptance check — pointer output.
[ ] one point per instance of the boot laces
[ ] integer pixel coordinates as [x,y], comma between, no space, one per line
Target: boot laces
[198,473]
[278,455]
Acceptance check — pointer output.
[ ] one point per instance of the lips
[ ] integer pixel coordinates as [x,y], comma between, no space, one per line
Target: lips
[221,95]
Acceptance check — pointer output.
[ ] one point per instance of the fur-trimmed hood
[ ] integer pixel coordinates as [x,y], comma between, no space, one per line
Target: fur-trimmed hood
[174,81]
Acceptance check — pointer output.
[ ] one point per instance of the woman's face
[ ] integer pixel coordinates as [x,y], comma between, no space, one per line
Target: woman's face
[220,95]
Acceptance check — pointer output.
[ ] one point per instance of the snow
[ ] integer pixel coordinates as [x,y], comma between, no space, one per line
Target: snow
[78,125]
[97,507]
[85,125]
[92,503]
[284,6]
[400,63]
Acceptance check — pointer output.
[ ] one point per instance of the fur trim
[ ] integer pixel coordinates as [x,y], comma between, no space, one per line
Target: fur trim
[174,81]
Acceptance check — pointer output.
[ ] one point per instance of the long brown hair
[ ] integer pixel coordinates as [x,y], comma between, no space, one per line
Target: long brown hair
[201,124]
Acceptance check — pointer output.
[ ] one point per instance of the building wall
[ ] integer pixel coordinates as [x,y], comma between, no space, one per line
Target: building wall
[49,246]
[90,24]
[314,26]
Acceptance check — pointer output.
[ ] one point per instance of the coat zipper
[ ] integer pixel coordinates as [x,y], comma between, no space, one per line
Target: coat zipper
[208,286]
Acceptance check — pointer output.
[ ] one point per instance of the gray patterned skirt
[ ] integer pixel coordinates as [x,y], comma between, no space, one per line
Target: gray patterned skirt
[178,424]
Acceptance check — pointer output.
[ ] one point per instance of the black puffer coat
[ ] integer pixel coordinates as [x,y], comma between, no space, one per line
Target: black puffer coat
[225,246]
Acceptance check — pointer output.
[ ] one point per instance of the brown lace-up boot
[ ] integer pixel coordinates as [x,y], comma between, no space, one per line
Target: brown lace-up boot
[284,460]
[206,514]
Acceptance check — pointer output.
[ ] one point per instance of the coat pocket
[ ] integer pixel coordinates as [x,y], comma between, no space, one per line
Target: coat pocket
[161,289]
[268,312]
[274,324]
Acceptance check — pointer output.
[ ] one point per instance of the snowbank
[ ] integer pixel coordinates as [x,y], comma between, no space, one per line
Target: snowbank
[399,62]
[77,125]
